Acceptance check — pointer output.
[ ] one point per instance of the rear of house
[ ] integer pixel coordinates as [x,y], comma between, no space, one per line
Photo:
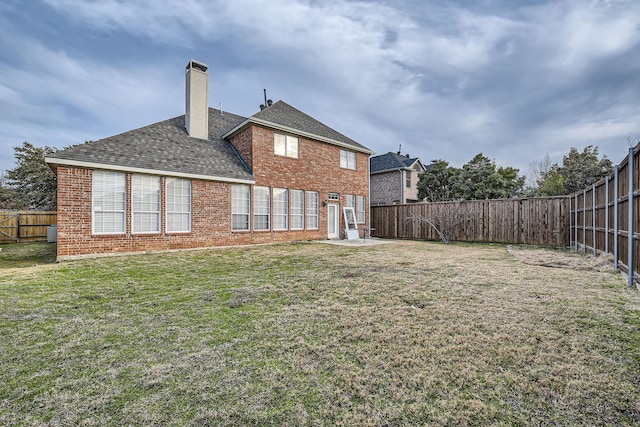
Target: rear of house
[209,178]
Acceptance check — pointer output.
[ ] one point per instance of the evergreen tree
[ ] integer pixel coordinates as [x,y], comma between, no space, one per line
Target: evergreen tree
[480,178]
[437,182]
[578,171]
[31,184]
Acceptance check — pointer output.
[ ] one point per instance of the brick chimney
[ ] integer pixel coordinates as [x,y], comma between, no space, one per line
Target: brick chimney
[196,118]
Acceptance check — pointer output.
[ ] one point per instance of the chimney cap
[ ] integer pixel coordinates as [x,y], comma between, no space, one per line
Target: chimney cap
[197,65]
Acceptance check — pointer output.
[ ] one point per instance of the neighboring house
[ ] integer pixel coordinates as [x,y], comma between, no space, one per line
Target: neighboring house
[394,179]
[209,178]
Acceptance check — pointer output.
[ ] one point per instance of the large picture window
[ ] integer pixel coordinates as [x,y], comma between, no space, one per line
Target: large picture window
[285,145]
[261,205]
[347,159]
[297,209]
[312,210]
[109,199]
[178,201]
[280,209]
[240,207]
[145,207]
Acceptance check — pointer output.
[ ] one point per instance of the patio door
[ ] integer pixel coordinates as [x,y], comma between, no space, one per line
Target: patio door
[333,216]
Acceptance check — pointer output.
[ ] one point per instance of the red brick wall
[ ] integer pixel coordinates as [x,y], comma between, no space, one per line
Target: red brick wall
[316,169]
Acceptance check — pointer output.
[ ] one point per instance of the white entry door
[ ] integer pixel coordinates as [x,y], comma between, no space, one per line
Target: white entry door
[333,216]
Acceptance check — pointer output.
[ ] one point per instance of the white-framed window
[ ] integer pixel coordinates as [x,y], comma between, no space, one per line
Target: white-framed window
[285,145]
[408,183]
[240,207]
[145,203]
[109,202]
[350,201]
[261,208]
[297,209]
[280,209]
[347,159]
[312,210]
[178,205]
[361,209]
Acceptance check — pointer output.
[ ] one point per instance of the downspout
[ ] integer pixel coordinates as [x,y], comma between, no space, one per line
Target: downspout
[369,194]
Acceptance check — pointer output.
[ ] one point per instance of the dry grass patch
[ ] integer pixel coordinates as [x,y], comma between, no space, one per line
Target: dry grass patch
[310,334]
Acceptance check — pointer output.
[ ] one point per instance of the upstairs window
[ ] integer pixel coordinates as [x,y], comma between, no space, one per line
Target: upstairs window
[109,191]
[285,145]
[347,159]
[408,179]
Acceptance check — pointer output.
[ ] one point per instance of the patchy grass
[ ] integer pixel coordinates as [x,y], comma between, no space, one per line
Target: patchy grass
[20,255]
[310,334]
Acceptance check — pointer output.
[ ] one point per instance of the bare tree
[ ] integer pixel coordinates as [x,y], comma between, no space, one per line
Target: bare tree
[538,169]
[447,217]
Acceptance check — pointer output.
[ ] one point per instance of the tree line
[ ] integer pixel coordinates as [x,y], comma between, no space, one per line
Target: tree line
[481,178]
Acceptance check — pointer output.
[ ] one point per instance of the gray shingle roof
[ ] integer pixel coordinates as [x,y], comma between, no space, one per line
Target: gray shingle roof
[166,147]
[390,161]
[283,114]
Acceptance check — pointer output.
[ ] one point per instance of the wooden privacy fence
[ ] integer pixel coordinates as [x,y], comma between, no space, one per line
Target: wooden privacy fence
[25,226]
[539,221]
[605,216]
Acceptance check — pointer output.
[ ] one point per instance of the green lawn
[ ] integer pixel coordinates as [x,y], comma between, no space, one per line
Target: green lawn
[408,333]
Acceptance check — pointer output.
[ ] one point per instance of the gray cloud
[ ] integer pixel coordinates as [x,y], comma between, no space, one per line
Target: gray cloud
[445,79]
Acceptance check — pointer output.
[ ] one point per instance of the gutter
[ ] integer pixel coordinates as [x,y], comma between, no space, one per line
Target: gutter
[53,161]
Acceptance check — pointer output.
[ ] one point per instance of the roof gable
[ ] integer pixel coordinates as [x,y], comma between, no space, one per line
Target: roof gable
[284,117]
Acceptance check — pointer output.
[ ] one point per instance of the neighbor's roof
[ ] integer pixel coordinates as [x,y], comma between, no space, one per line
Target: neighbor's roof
[167,148]
[284,117]
[391,161]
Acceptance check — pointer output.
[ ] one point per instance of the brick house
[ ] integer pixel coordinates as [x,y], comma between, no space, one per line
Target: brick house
[209,178]
[394,179]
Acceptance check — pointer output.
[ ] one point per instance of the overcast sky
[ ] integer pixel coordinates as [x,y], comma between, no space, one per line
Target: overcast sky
[512,79]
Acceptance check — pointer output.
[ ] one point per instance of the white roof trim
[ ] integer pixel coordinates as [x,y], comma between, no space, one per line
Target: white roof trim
[296,132]
[91,165]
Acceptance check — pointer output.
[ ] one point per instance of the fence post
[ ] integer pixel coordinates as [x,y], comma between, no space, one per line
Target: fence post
[616,232]
[606,216]
[584,221]
[593,216]
[575,214]
[570,225]
[630,165]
